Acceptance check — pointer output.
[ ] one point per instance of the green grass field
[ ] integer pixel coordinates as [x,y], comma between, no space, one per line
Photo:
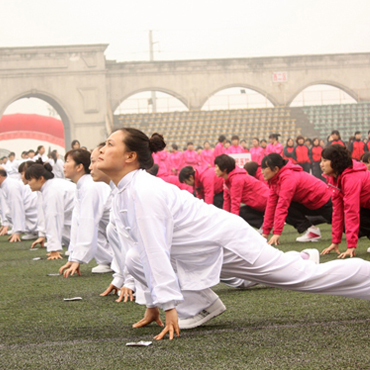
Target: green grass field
[263,328]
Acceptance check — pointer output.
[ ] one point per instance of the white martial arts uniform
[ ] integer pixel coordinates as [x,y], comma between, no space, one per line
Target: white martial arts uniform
[58,170]
[22,206]
[11,169]
[43,157]
[90,218]
[180,246]
[58,200]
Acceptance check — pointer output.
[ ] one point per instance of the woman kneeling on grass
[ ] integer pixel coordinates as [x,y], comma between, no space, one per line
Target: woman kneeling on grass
[58,197]
[349,182]
[179,246]
[296,197]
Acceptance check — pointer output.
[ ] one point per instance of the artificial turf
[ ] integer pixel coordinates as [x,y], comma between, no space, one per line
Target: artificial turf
[263,328]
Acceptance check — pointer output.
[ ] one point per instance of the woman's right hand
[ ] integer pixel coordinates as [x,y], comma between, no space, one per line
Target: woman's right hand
[40,240]
[333,247]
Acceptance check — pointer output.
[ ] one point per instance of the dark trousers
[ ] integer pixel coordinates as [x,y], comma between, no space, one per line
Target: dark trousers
[306,166]
[316,170]
[252,216]
[218,200]
[364,223]
[302,218]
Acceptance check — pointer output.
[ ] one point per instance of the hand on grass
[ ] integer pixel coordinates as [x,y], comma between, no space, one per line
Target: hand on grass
[333,247]
[151,315]
[73,268]
[350,252]
[41,240]
[110,289]
[4,230]
[125,294]
[172,325]
[274,240]
[55,255]
[14,238]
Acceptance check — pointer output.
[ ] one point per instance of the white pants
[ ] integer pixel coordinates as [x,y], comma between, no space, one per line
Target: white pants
[349,278]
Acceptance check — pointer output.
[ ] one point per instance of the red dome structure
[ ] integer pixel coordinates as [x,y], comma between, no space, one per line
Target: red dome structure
[32,126]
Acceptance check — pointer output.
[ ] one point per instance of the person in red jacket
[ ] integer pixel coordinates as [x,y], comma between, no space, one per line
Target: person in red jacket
[315,156]
[335,138]
[243,194]
[289,151]
[349,182]
[357,147]
[294,196]
[254,170]
[205,183]
[301,153]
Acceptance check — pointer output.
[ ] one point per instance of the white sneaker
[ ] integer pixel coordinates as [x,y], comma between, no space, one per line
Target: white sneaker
[247,284]
[101,269]
[202,317]
[368,250]
[66,253]
[313,255]
[29,236]
[312,234]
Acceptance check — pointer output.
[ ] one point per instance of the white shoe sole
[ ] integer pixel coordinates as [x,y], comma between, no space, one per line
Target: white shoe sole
[313,240]
[314,255]
[202,317]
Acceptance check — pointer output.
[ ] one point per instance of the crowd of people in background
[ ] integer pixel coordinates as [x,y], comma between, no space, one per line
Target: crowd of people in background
[97,204]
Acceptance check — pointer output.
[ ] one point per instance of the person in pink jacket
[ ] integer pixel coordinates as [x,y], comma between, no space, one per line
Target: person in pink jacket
[296,197]
[234,148]
[243,194]
[220,147]
[274,146]
[175,160]
[162,160]
[257,153]
[206,156]
[206,184]
[349,183]
[190,156]
[254,170]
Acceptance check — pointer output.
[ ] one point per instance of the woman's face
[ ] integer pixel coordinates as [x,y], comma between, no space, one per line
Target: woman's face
[290,142]
[112,155]
[268,173]
[95,173]
[255,143]
[70,168]
[326,168]
[300,141]
[206,145]
[36,185]
[316,142]
[191,147]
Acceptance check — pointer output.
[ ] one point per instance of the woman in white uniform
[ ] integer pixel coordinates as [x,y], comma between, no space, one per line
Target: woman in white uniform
[56,164]
[89,219]
[57,200]
[184,245]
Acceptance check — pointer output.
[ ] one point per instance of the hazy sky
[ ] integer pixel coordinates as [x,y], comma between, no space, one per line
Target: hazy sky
[191,29]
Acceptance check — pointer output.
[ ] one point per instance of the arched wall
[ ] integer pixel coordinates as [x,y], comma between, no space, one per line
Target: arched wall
[54,102]
[243,85]
[347,90]
[144,89]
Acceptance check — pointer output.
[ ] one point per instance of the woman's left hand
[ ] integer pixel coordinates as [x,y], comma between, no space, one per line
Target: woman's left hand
[350,252]
[274,240]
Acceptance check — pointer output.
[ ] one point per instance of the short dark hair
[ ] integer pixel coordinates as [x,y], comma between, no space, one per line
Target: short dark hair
[274,136]
[225,162]
[185,173]
[366,157]
[10,154]
[38,170]
[175,147]
[80,156]
[256,138]
[357,132]
[273,160]
[39,148]
[3,173]
[339,156]
[31,151]
[336,132]
[222,138]
[189,143]
[24,165]
[299,137]
[251,167]
[75,142]
[235,137]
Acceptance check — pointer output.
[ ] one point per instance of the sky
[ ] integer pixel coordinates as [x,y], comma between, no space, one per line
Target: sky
[190,29]
[187,29]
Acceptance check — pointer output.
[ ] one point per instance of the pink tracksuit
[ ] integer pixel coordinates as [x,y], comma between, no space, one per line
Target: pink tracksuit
[350,191]
[162,160]
[207,184]
[242,188]
[176,160]
[174,180]
[292,184]
[257,154]
[206,157]
[277,148]
[219,149]
[191,158]
[232,149]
